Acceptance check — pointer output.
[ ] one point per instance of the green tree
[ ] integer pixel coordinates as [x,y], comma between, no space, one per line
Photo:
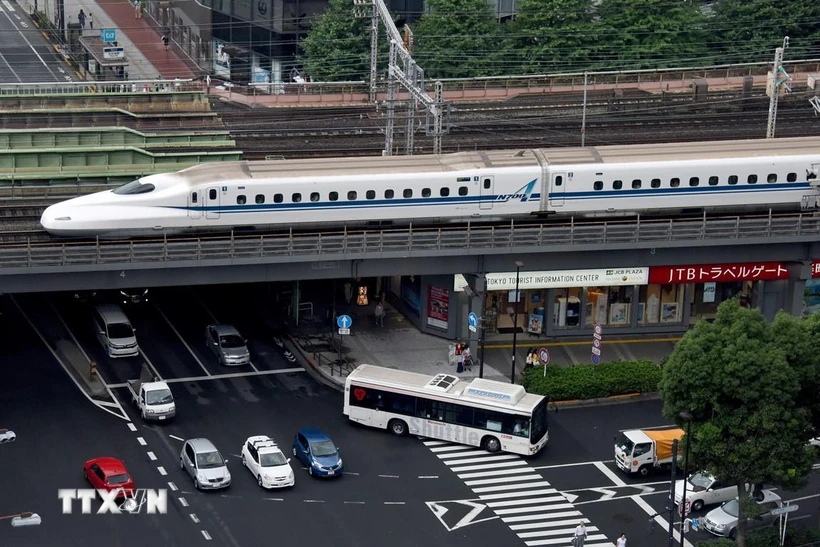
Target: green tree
[747,424]
[648,33]
[551,36]
[457,39]
[338,45]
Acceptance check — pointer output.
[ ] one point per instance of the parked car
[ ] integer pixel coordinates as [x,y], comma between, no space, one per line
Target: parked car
[206,466]
[109,474]
[704,489]
[267,463]
[723,520]
[318,453]
[227,344]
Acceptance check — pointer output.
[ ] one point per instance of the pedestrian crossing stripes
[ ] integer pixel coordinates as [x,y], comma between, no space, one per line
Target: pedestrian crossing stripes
[534,510]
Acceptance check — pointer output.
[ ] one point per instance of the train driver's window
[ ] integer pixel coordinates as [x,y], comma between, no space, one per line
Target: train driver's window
[260,198]
[212,194]
[408,193]
[463,190]
[425,192]
[314,196]
[388,194]
[444,192]
[732,180]
[296,198]
[241,200]
[752,179]
[278,198]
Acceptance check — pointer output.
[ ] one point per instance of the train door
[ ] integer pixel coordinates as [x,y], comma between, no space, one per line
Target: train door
[486,195]
[559,183]
[212,203]
[194,206]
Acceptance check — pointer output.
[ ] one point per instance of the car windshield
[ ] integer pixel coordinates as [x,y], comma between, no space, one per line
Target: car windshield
[120,330]
[134,187]
[322,448]
[624,444]
[159,397]
[730,508]
[209,460]
[272,459]
[231,341]
[118,479]
[700,481]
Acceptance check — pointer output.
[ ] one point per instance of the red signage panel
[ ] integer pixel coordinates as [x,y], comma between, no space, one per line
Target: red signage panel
[749,271]
[815,268]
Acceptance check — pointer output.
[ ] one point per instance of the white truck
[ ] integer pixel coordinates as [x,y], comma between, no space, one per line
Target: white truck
[153,398]
[644,451]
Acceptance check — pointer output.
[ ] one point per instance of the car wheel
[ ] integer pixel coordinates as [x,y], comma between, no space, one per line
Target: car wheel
[259,480]
[697,505]
[398,428]
[491,444]
[644,471]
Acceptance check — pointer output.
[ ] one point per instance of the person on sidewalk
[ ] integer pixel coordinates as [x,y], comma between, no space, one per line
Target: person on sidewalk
[137,9]
[165,41]
[580,535]
[380,314]
[90,20]
[81,19]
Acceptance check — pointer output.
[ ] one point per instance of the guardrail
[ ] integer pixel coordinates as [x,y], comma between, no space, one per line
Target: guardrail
[120,87]
[412,241]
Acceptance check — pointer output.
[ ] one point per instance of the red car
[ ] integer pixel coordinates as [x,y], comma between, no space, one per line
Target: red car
[108,474]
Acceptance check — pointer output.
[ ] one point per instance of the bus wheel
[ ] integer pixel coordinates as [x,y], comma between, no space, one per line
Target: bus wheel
[398,427]
[491,444]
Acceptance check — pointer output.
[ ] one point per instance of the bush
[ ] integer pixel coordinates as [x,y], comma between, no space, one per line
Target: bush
[593,381]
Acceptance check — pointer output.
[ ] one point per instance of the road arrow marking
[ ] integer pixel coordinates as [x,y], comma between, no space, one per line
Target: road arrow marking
[607,494]
[441,508]
[570,497]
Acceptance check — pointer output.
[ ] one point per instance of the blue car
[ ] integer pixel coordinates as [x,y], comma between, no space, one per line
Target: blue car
[318,453]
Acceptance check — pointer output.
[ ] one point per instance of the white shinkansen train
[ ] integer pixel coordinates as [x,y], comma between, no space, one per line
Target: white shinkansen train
[727,176]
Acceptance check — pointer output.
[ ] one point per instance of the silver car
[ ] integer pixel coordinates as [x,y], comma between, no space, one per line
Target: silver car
[206,466]
[227,344]
[723,520]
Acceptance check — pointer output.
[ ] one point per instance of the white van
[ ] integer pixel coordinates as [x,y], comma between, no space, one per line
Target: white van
[114,331]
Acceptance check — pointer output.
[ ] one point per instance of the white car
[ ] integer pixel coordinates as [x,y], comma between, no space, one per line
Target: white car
[704,489]
[267,463]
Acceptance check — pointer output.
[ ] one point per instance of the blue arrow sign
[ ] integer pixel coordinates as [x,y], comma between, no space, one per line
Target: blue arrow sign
[344,321]
[472,319]
[595,359]
[108,35]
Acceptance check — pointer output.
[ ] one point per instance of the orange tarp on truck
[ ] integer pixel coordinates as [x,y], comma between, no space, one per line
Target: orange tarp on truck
[663,440]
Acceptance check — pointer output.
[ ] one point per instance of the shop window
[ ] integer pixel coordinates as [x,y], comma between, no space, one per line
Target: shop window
[388,194]
[566,311]
[660,304]
[333,196]
[463,190]
[241,200]
[636,184]
[351,196]
[694,181]
[713,181]
[609,306]
[425,192]
[408,193]
[260,198]
[732,180]
[314,196]
[706,297]
[444,192]
[772,178]
[296,198]
[617,185]
[791,177]
[751,179]
[674,183]
[371,194]
[278,198]
[598,185]
[655,183]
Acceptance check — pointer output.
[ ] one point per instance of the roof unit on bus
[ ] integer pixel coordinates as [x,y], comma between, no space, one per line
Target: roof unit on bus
[442,382]
[489,390]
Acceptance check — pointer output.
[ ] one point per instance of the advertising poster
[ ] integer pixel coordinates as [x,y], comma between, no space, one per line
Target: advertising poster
[222,61]
[438,307]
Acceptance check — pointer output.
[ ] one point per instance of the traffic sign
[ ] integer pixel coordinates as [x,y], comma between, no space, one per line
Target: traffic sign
[596,343]
[595,359]
[544,356]
[596,336]
[344,331]
[344,322]
[472,321]
[596,351]
[598,329]
[108,35]
[785,509]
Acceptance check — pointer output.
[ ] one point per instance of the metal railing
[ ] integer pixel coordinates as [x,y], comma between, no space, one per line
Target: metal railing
[426,241]
[94,87]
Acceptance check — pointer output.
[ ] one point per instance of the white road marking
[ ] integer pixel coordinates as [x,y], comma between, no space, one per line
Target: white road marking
[177,438]
[570,464]
[394,503]
[609,474]
[490,466]
[354,502]
[664,524]
[437,449]
[274,499]
[151,365]
[194,518]
[162,471]
[534,509]
[141,441]
[500,480]
[518,494]
[222,376]
[486,459]
[389,476]
[513,487]
[434,443]
[152,456]
[173,486]
[350,473]
[547,524]
[528,501]
[206,535]
[313,501]
[183,502]
[523,518]
[462,454]
[8,5]
[131,426]
[496,473]
[191,351]
[428,476]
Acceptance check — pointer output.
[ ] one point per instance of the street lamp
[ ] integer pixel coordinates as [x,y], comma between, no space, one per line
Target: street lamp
[518,265]
[24,519]
[686,415]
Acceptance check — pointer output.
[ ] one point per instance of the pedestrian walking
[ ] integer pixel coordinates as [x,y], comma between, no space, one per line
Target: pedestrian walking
[621,541]
[165,41]
[580,535]
[90,20]
[380,314]
[137,9]
[81,18]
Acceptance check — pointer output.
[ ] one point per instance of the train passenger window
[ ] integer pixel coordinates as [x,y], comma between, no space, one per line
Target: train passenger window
[598,185]
[408,193]
[636,184]
[296,198]
[772,177]
[713,181]
[314,196]
[278,198]
[260,198]
[193,197]
[351,196]
[444,192]
[559,180]
[463,190]
[388,194]
[333,196]
[212,194]
[674,183]
[371,194]
[655,183]
[618,184]
[732,179]
[488,183]
[694,181]
[425,192]
[241,200]
[791,177]
[751,179]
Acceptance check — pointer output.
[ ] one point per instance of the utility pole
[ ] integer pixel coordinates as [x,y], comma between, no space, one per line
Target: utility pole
[584,113]
[773,86]
[360,13]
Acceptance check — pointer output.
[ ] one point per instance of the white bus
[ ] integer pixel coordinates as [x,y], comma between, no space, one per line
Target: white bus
[493,415]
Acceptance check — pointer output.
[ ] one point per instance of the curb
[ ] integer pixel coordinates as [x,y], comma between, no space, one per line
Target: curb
[312,368]
[606,401]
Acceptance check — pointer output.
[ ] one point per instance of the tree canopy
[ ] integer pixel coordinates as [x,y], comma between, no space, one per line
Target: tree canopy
[338,46]
[740,378]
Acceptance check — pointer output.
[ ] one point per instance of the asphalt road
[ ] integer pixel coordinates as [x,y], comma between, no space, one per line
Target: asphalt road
[25,56]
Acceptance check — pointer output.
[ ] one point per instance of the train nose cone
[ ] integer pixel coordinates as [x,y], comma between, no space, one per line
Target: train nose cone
[55,219]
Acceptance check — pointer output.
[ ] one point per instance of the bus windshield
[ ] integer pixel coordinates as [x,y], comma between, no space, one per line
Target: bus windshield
[539,422]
